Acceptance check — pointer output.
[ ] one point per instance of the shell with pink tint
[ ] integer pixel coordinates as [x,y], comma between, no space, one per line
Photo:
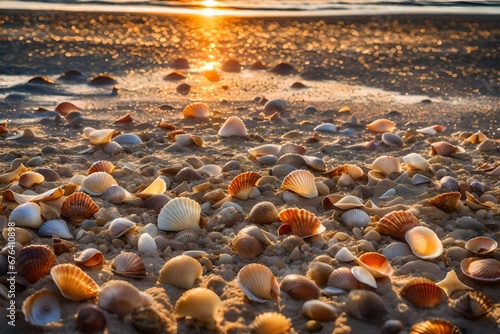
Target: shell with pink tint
[415,161]
[445,149]
[34,262]
[302,182]
[78,207]
[66,107]
[397,223]
[424,242]
[196,110]
[300,222]
[291,148]
[352,170]
[179,214]
[101,166]
[29,179]
[422,292]
[102,136]
[242,185]
[73,282]
[96,183]
[483,270]
[381,125]
[377,264]
[343,279]
[233,126]
[481,245]
[128,264]
[90,258]
[124,119]
[258,283]
[158,186]
[448,202]
[387,165]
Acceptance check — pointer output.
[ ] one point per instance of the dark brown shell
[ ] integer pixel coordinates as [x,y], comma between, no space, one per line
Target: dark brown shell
[300,287]
[447,202]
[90,319]
[35,261]
[78,207]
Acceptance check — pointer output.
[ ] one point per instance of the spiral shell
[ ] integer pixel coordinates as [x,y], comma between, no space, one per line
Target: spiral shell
[422,292]
[387,165]
[200,304]
[319,310]
[119,297]
[483,270]
[128,264]
[96,183]
[473,304]
[435,326]
[29,179]
[120,226]
[181,271]
[397,223]
[424,242]
[381,125]
[179,214]
[242,185]
[27,215]
[270,322]
[101,166]
[377,264]
[233,126]
[197,110]
[258,282]
[41,308]
[263,213]
[90,258]
[300,287]
[415,161]
[355,218]
[301,182]
[35,261]
[73,283]
[447,202]
[56,227]
[300,222]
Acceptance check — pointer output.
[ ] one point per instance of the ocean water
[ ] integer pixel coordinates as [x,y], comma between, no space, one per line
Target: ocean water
[266,7]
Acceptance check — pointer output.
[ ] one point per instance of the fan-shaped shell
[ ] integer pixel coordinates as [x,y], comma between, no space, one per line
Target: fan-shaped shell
[485,270]
[78,207]
[128,264]
[447,202]
[301,182]
[197,110]
[200,304]
[473,304]
[397,223]
[352,170]
[271,322]
[98,137]
[266,149]
[119,297]
[422,292]
[233,126]
[424,242]
[415,161]
[56,227]
[120,226]
[445,149]
[96,183]
[90,258]
[158,186]
[242,185]
[355,218]
[116,194]
[35,261]
[29,179]
[247,246]
[258,282]
[386,164]
[381,125]
[435,326]
[263,213]
[73,283]
[300,222]
[315,163]
[300,287]
[319,310]
[481,245]
[376,264]
[290,148]
[342,278]
[146,244]
[344,255]
[66,107]
[181,271]
[27,215]
[41,308]
[179,214]
[101,166]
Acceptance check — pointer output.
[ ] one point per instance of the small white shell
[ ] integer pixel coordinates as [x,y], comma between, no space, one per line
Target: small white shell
[345,255]
[96,183]
[233,126]
[146,244]
[364,276]
[355,218]
[55,227]
[416,162]
[27,215]
[179,214]
[127,138]
[326,127]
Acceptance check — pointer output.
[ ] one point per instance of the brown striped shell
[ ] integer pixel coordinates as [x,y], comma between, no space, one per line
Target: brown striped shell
[101,166]
[35,261]
[128,264]
[473,304]
[300,222]
[422,292]
[242,185]
[435,326]
[397,223]
[78,207]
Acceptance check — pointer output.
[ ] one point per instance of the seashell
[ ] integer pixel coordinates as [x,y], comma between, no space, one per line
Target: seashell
[315,163]
[124,119]
[188,235]
[473,304]
[183,88]
[424,242]
[427,131]
[475,204]
[375,177]
[478,187]
[270,322]
[392,139]
[345,255]
[27,215]
[355,218]
[381,125]
[112,148]
[268,159]
[209,170]
[146,320]
[179,214]
[319,310]
[116,194]
[300,222]
[483,270]
[319,272]
[90,258]
[231,165]
[179,63]
[187,174]
[49,195]
[301,182]
[422,292]
[200,304]
[291,148]
[415,161]
[41,308]
[435,326]
[451,283]
[295,160]
[21,235]
[233,126]
[263,213]
[278,105]
[29,179]
[267,149]
[13,175]
[445,149]
[377,264]
[242,185]
[246,246]
[127,138]
[146,244]
[128,264]
[101,166]
[56,227]
[231,65]
[65,108]
[90,318]
[258,282]
[396,249]
[96,183]
[158,186]
[103,80]
[481,245]
[181,271]
[120,226]
[397,223]
[347,202]
[27,133]
[343,278]
[98,137]
[78,207]
[352,170]
[300,287]
[35,261]
[119,297]
[449,183]
[387,165]
[73,283]
[447,202]
[364,276]
[365,305]
[326,127]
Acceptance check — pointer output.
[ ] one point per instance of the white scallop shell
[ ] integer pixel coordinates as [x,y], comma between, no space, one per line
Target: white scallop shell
[301,182]
[127,138]
[266,149]
[355,218]
[233,126]
[386,164]
[96,183]
[258,282]
[424,242]
[146,244]
[27,215]
[179,214]
[57,227]
[416,161]
[103,136]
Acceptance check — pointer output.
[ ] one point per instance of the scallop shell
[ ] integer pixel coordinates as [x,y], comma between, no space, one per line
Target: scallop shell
[146,244]
[96,183]
[301,182]
[116,194]
[120,226]
[271,322]
[342,278]
[319,310]
[435,326]
[258,282]
[447,202]
[242,185]
[90,258]
[179,214]
[445,149]
[181,271]
[481,245]
[266,149]
[98,137]
[188,235]
[319,272]
[355,218]
[73,283]
[381,125]
[78,207]
[397,223]
[41,308]
[101,166]
[56,227]
[300,222]
[415,161]
[263,213]
[483,270]
[365,305]
[233,126]
[128,264]
[387,165]
[35,261]
[290,148]
[300,287]
[65,108]
[424,242]
[127,138]
[246,246]
[29,179]
[200,304]
[197,110]
[352,170]
[27,215]
[422,292]
[473,304]
[119,297]
[377,264]
[158,186]
[13,175]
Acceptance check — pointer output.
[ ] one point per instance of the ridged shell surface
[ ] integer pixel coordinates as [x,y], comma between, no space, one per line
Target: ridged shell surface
[435,326]
[96,183]
[263,213]
[397,223]
[422,292]
[258,282]
[35,261]
[473,304]
[355,218]
[179,214]
[301,182]
[486,270]
[119,297]
[197,110]
[78,207]
[301,222]
[181,271]
[271,322]
[56,227]
[73,283]
[243,184]
[200,304]
[128,264]
[381,125]
[387,165]
[233,126]
[27,215]
[447,202]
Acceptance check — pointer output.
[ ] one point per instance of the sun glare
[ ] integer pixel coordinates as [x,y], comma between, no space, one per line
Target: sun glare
[209,3]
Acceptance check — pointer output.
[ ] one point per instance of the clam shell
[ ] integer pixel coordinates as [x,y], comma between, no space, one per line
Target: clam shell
[147,320]
[319,310]
[98,137]
[22,236]
[278,105]
[258,282]
[355,218]
[29,179]
[483,270]
[90,318]
[120,226]
[56,227]
[246,246]
[263,213]
[233,126]
[419,179]
[181,271]
[157,187]
[73,283]
[197,110]
[116,194]
[344,255]
[435,326]
[415,161]
[112,148]
[101,166]
[35,261]
[364,276]
[49,195]
[424,242]
[387,165]
[128,264]
[127,138]
[13,175]
[300,287]
[65,108]
[445,149]
[96,183]
[396,249]
[342,278]
[242,185]
[210,170]
[326,127]
[392,139]
[179,214]
[447,202]
[41,308]
[119,297]
[397,223]
[200,304]
[481,245]
[271,322]
[319,272]
[292,159]
[427,131]
[381,125]
[27,215]
[377,264]
[300,222]
[78,207]
[301,182]
[365,305]
[315,163]
[291,148]
[422,292]
[346,202]
[266,149]
[473,304]
[146,244]
[90,258]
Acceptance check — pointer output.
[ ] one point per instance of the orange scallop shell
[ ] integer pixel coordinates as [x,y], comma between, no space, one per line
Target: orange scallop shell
[101,166]
[35,261]
[73,282]
[422,292]
[301,182]
[397,223]
[300,222]
[197,110]
[435,326]
[66,107]
[447,202]
[381,125]
[78,207]
[243,184]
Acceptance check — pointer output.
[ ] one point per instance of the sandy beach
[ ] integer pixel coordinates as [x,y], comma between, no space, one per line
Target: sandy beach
[433,79]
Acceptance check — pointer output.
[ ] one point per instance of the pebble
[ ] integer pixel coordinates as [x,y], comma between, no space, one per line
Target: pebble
[35,162]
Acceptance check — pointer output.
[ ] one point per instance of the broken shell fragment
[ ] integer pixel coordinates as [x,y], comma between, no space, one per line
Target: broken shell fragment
[451,283]
[263,213]
[128,264]
[96,183]
[473,304]
[483,270]
[447,202]
[481,245]
[78,207]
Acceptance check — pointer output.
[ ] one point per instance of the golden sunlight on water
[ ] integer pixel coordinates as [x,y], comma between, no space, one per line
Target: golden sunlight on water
[209,9]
